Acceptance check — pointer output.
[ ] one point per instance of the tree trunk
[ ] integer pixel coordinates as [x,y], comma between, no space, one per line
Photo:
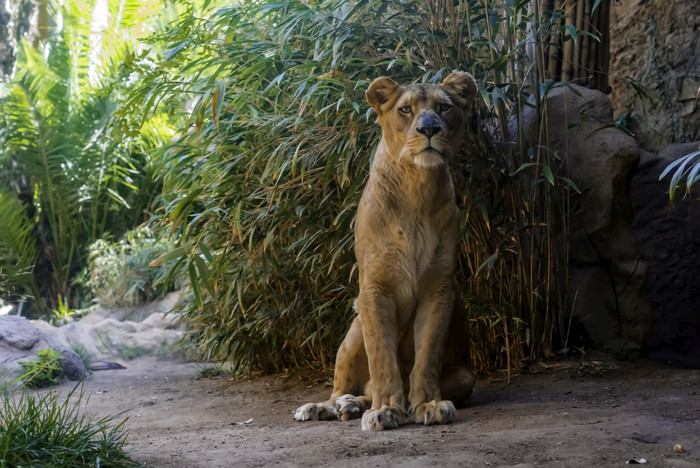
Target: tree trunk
[15,24]
[7,43]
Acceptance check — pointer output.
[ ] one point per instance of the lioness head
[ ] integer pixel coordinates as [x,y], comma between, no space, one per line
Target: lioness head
[423,122]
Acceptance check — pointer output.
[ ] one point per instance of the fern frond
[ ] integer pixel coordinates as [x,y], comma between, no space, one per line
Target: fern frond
[18,246]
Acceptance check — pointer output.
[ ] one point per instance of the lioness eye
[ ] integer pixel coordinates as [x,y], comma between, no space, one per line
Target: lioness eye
[445,107]
[405,109]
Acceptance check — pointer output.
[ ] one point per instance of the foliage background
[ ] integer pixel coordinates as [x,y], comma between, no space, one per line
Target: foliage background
[69,174]
[258,187]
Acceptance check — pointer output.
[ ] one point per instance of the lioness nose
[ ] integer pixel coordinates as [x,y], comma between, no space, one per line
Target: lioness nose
[428,125]
[428,130]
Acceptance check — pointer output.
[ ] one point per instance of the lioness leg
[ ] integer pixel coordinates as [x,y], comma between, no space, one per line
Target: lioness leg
[456,384]
[457,379]
[350,377]
[379,328]
[431,324]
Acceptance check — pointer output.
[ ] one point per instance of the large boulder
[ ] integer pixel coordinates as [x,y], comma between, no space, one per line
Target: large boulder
[20,341]
[608,292]
[669,241]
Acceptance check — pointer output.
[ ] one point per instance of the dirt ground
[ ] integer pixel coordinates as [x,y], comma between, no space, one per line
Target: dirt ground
[558,415]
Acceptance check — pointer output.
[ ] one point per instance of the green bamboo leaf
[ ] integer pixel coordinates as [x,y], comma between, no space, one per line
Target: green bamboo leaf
[185,202]
[547,171]
[206,251]
[675,179]
[177,252]
[203,270]
[194,282]
[525,166]
[670,167]
[488,263]
[694,174]
[571,184]
[170,54]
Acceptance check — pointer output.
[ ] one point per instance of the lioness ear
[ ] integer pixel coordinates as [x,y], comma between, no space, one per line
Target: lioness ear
[382,94]
[461,87]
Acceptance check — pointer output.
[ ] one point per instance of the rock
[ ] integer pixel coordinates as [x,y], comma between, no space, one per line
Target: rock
[143,311]
[608,292]
[669,242]
[622,349]
[106,333]
[103,333]
[20,340]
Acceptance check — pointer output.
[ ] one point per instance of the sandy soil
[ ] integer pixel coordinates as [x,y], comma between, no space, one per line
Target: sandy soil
[555,416]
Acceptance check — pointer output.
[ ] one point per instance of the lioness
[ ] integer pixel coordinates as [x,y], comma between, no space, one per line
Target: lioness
[409,337]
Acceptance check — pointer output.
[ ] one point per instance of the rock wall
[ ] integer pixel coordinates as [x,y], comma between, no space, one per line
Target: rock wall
[669,240]
[657,43]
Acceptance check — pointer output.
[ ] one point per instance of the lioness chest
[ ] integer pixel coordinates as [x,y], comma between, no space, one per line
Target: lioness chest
[406,234]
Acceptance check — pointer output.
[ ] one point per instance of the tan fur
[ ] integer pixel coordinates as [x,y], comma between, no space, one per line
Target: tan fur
[408,342]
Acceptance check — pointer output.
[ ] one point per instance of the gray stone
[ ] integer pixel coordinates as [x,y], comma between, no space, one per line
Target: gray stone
[20,340]
[107,333]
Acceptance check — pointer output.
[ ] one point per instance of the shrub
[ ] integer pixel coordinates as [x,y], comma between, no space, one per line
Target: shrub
[262,185]
[62,315]
[118,273]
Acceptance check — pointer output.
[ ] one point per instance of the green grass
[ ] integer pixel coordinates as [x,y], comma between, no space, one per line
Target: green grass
[46,430]
[208,371]
[44,371]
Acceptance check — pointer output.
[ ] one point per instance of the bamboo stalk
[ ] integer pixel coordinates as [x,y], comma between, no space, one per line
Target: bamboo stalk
[599,47]
[553,65]
[585,45]
[545,37]
[577,44]
[604,61]
[568,49]
[594,46]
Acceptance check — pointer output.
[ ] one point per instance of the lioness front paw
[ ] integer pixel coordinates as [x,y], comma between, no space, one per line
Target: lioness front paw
[435,412]
[350,407]
[316,411]
[388,417]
